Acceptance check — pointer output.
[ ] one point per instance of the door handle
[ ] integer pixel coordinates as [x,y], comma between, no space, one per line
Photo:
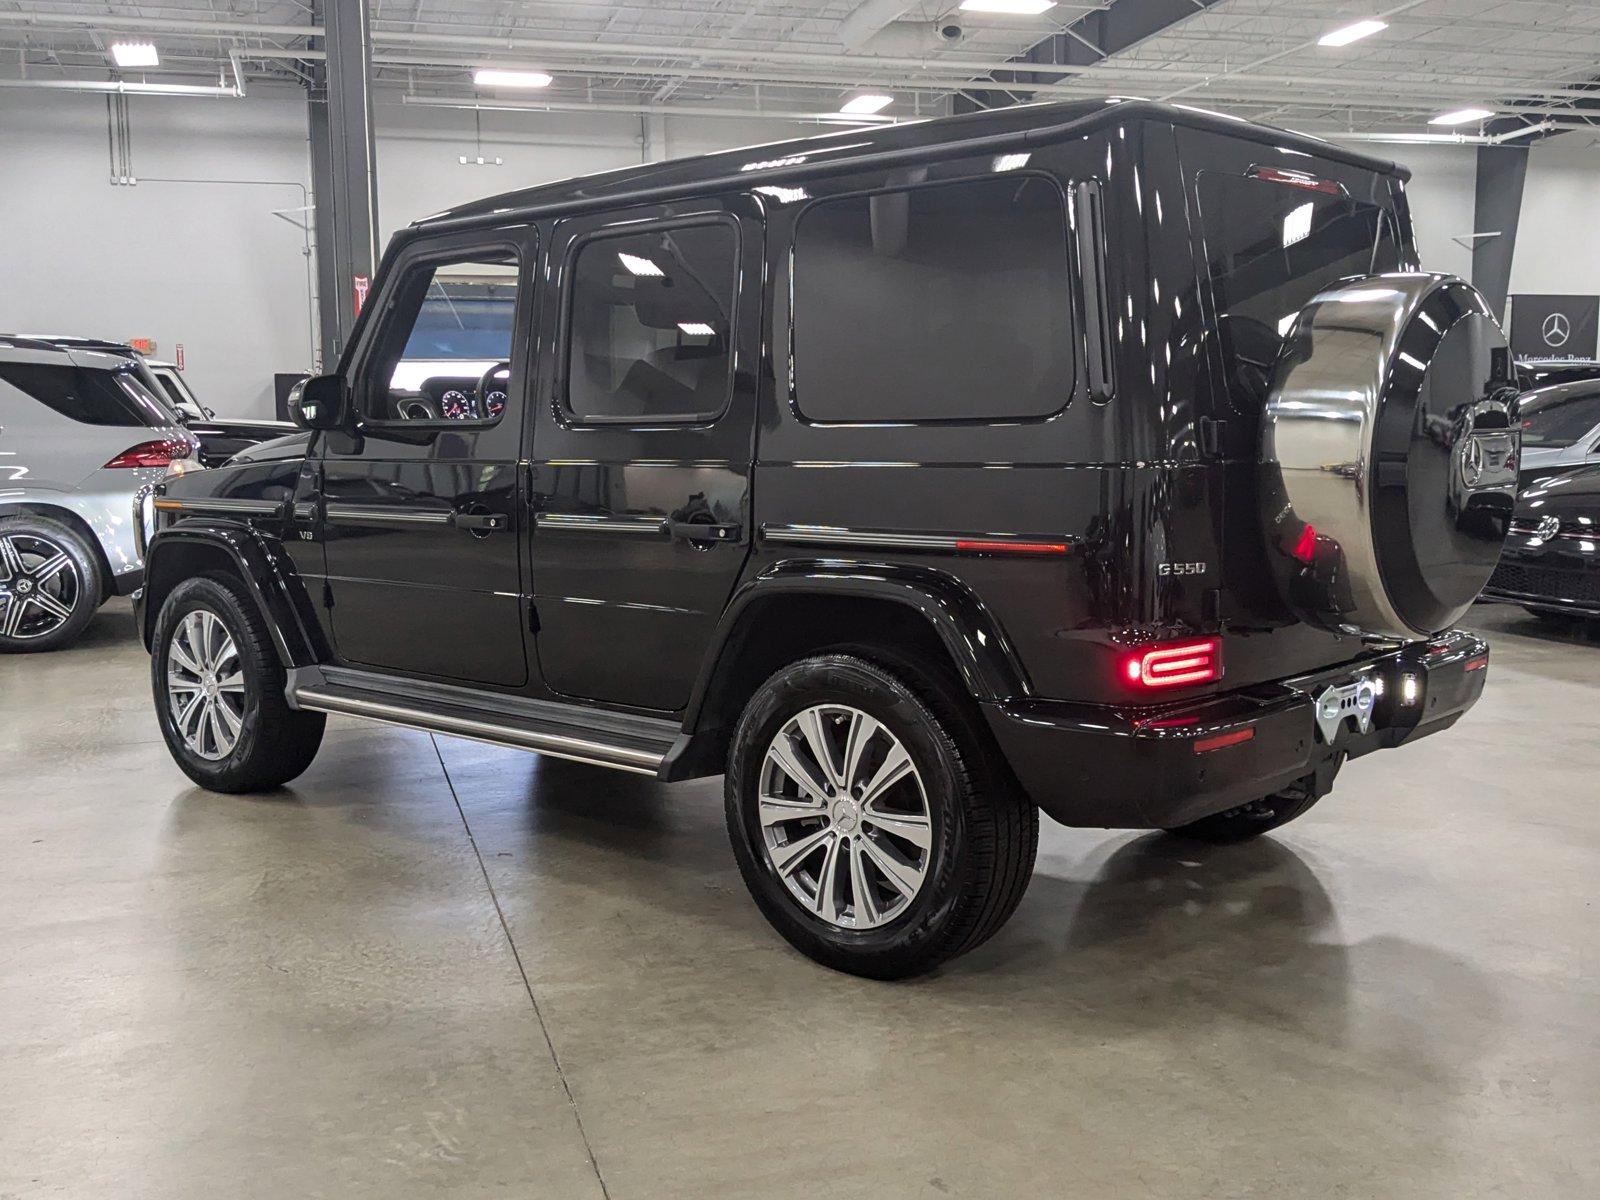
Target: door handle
[703,531]
[478,522]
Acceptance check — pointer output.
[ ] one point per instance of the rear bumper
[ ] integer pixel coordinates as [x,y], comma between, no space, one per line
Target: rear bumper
[1157,768]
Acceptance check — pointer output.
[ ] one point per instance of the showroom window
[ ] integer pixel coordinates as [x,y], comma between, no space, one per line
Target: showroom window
[445,350]
[88,396]
[651,325]
[943,303]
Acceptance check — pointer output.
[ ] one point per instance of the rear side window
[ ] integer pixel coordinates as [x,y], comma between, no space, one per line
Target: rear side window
[1271,247]
[652,320]
[949,302]
[88,396]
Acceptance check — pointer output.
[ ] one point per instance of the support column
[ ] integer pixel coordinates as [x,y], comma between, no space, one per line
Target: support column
[343,170]
[1502,170]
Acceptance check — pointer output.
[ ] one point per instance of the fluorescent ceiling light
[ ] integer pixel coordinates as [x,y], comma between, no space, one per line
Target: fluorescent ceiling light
[134,54]
[641,266]
[498,77]
[1297,225]
[1021,8]
[863,105]
[1352,33]
[697,329]
[1462,116]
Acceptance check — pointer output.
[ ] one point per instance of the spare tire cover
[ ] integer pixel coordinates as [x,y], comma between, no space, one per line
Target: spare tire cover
[1389,455]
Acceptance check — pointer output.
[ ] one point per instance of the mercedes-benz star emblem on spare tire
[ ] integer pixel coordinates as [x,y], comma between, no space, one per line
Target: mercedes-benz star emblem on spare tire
[1556,329]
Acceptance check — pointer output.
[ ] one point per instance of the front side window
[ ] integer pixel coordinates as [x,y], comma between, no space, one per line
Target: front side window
[444,353]
[651,321]
[944,303]
[89,395]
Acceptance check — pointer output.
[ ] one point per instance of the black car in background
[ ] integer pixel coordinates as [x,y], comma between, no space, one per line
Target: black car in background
[220,437]
[1551,561]
[1547,372]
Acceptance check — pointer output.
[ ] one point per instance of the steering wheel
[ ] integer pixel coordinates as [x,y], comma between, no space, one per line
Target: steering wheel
[483,395]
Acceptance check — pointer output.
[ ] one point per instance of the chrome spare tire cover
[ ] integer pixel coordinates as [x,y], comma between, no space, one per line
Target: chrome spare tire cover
[1389,455]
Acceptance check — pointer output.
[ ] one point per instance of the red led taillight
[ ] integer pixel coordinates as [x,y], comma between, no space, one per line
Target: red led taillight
[152,454]
[1306,548]
[1175,664]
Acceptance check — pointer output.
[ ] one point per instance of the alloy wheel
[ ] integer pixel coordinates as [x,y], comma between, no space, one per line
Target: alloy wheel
[845,821]
[205,685]
[39,586]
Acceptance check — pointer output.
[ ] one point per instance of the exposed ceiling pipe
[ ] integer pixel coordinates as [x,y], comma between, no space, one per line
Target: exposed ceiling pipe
[658,110]
[120,87]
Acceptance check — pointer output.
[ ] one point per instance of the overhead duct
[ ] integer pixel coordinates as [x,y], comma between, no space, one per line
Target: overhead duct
[856,30]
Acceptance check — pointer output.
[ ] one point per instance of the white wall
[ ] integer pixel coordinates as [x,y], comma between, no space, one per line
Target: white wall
[1441,196]
[1558,240]
[204,264]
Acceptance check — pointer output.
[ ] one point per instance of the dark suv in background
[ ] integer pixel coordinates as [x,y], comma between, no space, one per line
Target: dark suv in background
[1108,459]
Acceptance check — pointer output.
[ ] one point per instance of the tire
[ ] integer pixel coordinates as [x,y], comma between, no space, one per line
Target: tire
[981,832]
[1250,820]
[272,743]
[51,584]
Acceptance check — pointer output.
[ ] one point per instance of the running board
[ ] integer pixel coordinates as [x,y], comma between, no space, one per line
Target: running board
[587,735]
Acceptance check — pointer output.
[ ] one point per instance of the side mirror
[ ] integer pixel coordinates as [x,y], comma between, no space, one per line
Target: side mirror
[318,403]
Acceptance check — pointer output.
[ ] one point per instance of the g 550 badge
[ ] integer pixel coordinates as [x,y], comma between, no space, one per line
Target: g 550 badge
[1181,568]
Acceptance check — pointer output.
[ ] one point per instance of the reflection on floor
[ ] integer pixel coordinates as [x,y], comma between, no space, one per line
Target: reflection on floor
[439,968]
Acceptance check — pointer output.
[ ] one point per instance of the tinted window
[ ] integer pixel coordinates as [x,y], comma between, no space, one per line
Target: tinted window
[89,396]
[942,303]
[1558,420]
[1271,247]
[652,319]
[449,325]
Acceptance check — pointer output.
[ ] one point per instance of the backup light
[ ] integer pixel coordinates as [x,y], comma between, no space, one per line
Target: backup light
[1462,116]
[500,77]
[1175,664]
[134,54]
[1352,33]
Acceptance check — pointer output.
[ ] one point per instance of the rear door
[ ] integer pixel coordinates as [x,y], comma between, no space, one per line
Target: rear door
[1273,227]
[421,510]
[641,469]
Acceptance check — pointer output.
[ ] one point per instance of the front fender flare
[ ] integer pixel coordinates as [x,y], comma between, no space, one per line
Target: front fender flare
[263,568]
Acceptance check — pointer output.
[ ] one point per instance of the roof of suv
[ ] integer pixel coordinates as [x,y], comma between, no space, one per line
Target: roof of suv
[1011,127]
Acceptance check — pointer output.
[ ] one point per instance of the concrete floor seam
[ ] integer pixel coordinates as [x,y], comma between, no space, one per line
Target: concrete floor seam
[527,984]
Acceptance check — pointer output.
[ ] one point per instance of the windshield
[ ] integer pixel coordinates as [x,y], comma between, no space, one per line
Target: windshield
[1559,421]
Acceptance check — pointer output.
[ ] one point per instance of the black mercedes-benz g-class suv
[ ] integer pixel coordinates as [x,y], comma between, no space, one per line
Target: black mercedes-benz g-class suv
[1108,459]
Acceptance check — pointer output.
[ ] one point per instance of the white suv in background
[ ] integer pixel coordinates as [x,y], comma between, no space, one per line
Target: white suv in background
[82,439]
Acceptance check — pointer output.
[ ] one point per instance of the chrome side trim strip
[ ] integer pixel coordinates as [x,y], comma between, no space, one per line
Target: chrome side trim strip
[975,543]
[361,514]
[600,523]
[600,754]
[219,504]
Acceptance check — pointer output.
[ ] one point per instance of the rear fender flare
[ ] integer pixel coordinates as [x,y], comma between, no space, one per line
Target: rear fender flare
[982,655]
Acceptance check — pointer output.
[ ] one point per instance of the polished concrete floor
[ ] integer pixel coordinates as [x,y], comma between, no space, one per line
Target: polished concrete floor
[433,968]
